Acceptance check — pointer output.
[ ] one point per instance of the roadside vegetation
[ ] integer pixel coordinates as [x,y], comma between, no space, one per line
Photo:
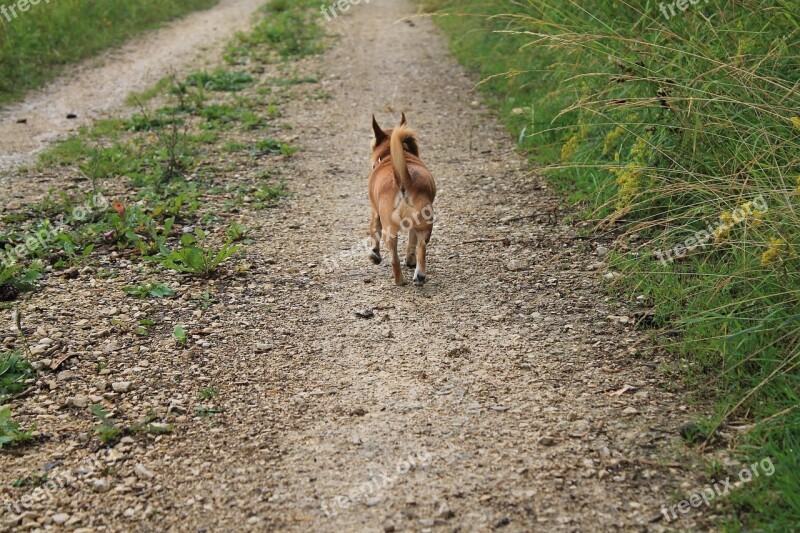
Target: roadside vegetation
[153,198]
[676,135]
[37,44]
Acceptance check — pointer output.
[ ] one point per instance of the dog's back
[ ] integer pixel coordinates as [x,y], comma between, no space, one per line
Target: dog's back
[401,191]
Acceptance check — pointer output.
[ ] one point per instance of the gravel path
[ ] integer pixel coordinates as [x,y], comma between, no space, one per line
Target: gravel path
[507,393]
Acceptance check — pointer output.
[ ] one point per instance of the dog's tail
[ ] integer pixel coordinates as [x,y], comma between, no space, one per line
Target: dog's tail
[402,135]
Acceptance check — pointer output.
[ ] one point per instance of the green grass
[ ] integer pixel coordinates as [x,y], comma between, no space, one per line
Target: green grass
[38,44]
[657,129]
[289,30]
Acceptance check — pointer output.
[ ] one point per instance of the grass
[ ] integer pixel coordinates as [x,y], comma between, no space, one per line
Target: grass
[38,44]
[678,139]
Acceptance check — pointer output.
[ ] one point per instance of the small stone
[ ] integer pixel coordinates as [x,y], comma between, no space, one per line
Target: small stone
[515,265]
[546,440]
[60,518]
[121,386]
[142,472]
[64,375]
[78,401]
[100,485]
[601,250]
[630,411]
[262,347]
[109,311]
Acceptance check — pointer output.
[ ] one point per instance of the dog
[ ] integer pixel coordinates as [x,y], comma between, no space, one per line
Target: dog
[401,194]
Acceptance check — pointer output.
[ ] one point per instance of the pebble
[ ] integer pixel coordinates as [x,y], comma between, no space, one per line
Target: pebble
[64,375]
[546,441]
[100,485]
[121,386]
[60,518]
[516,265]
[142,472]
[78,401]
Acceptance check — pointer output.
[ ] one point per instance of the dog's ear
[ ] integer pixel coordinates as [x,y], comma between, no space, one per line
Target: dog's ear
[380,135]
[403,120]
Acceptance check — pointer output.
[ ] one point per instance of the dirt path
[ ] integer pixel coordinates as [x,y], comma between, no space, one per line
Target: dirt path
[493,398]
[91,92]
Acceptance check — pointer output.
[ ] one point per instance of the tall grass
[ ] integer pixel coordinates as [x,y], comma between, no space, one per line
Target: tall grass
[37,44]
[674,131]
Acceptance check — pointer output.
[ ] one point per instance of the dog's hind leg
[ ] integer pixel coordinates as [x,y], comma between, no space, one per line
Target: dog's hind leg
[411,249]
[423,237]
[375,235]
[390,238]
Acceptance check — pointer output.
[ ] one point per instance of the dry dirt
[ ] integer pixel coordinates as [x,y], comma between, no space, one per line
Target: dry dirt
[510,392]
[100,86]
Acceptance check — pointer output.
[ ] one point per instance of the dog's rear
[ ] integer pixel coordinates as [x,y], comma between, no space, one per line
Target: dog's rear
[401,192]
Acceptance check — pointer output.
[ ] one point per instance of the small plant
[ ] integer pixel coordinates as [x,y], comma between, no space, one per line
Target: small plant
[14,372]
[269,195]
[34,480]
[144,327]
[205,411]
[272,147]
[237,232]
[206,299]
[208,393]
[195,258]
[220,80]
[179,334]
[106,430]
[10,432]
[150,290]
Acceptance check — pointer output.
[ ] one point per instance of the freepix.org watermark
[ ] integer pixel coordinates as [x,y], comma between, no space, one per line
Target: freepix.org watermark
[39,239]
[332,11]
[377,483]
[703,237]
[21,6]
[682,5]
[719,489]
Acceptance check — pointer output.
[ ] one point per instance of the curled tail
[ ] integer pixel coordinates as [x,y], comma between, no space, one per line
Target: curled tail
[401,135]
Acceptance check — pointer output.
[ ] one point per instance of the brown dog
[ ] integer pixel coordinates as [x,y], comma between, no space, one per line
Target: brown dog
[401,191]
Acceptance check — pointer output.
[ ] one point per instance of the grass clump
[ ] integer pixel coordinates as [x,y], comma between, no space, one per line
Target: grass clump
[679,138]
[289,30]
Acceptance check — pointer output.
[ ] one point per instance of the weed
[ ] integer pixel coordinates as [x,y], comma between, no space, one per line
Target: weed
[269,195]
[11,433]
[107,430]
[180,335]
[208,393]
[193,257]
[220,80]
[14,373]
[272,147]
[236,232]
[150,290]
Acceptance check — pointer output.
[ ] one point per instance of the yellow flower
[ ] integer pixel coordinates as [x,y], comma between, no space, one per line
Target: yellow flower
[775,250]
[612,138]
[569,148]
[796,122]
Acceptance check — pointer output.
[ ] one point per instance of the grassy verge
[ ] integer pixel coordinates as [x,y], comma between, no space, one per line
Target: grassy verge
[678,134]
[36,45]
